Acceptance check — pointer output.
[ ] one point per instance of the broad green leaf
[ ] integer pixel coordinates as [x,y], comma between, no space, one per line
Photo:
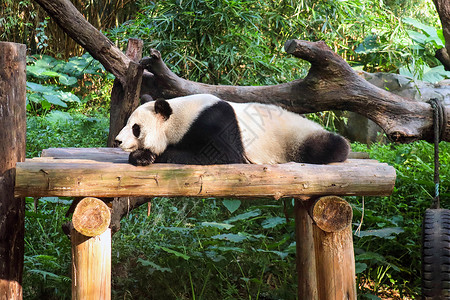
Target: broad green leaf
[435,74]
[147,263]
[50,74]
[176,253]
[244,216]
[282,255]
[273,222]
[53,99]
[235,238]
[39,88]
[232,205]
[56,116]
[382,233]
[217,225]
[67,97]
[67,80]
[227,249]
[360,267]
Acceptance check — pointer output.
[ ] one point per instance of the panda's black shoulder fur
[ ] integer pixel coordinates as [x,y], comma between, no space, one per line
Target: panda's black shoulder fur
[213,138]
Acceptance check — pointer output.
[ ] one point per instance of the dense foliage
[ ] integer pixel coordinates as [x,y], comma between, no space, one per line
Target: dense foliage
[224,248]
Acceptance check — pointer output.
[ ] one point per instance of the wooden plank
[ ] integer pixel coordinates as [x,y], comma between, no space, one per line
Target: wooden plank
[61,177]
[118,155]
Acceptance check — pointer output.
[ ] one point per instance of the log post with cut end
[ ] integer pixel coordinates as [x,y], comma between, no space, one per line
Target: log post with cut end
[305,260]
[335,261]
[12,150]
[91,255]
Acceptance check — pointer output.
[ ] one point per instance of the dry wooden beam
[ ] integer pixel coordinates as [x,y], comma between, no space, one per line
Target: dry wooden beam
[61,177]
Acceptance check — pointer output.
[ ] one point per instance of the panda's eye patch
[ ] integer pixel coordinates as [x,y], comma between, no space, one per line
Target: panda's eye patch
[136,130]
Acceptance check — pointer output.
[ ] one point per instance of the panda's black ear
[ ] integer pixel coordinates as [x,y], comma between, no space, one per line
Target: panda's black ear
[163,108]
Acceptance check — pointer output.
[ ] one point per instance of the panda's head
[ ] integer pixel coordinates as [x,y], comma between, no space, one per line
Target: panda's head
[146,128]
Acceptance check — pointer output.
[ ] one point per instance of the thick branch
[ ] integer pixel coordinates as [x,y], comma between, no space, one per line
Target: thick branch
[331,84]
[87,36]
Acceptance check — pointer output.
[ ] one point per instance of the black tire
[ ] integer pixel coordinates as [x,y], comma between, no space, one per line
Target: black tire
[436,254]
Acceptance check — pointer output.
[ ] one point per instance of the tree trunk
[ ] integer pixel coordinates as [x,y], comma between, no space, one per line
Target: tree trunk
[125,98]
[12,150]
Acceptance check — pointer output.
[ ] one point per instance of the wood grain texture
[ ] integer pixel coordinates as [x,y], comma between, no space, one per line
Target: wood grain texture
[306,258]
[335,264]
[91,266]
[91,217]
[66,177]
[12,150]
[331,213]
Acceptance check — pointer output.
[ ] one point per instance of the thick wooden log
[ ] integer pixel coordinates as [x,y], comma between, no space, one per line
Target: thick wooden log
[335,264]
[91,217]
[91,266]
[61,177]
[12,150]
[331,213]
[306,259]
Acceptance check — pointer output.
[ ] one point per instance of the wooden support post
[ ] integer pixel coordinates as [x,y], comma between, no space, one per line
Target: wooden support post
[306,263]
[325,258]
[12,150]
[333,243]
[91,254]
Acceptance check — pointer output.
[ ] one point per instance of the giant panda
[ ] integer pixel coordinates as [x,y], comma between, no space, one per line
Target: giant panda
[203,129]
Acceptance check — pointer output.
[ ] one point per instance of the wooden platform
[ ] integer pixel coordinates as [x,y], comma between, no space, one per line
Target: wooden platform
[104,172]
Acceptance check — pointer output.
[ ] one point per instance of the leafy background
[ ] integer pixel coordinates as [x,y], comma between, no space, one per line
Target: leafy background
[226,248]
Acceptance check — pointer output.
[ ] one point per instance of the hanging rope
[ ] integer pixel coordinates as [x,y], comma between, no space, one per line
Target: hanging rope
[438,124]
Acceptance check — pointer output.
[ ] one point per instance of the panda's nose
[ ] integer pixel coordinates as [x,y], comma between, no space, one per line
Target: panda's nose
[117,143]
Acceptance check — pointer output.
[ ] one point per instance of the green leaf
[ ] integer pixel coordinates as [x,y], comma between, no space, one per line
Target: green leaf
[53,99]
[232,205]
[217,225]
[382,233]
[176,253]
[227,249]
[152,265]
[282,255]
[67,80]
[57,116]
[39,88]
[435,74]
[235,238]
[244,216]
[273,222]
[360,267]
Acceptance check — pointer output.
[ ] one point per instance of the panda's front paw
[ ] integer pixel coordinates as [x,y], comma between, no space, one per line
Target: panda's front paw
[141,157]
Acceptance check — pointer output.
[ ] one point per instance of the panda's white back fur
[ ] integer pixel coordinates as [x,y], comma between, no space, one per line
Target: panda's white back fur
[269,133]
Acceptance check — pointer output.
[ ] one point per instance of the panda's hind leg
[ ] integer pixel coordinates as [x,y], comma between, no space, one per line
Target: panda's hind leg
[323,148]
